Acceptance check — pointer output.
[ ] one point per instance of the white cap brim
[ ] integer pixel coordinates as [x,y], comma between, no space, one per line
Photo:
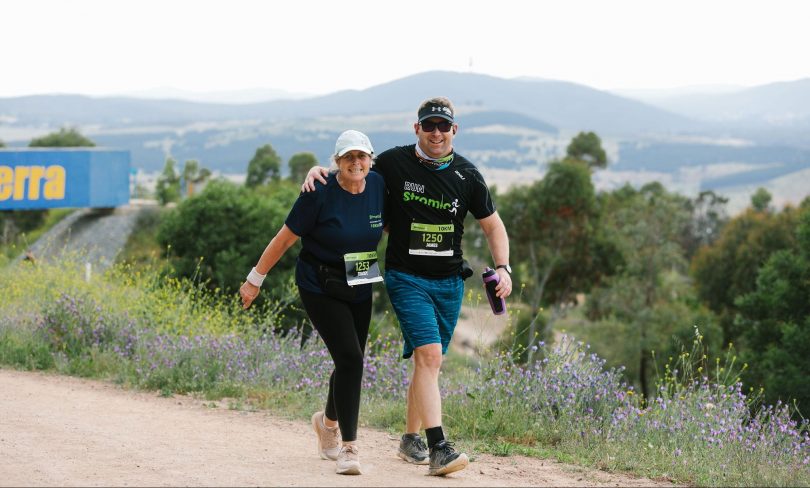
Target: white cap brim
[365,149]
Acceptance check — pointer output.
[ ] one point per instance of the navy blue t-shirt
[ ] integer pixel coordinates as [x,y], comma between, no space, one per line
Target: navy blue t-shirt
[332,222]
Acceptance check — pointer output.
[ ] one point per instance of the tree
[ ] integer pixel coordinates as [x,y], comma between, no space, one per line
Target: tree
[729,267]
[708,218]
[266,164]
[631,326]
[649,296]
[228,227]
[2,144]
[554,237]
[299,164]
[194,174]
[587,147]
[168,184]
[775,322]
[64,138]
[760,200]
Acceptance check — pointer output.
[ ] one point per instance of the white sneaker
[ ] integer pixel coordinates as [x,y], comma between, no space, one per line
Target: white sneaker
[348,460]
[328,439]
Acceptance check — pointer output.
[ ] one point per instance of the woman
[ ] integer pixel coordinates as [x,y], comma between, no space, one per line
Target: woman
[340,225]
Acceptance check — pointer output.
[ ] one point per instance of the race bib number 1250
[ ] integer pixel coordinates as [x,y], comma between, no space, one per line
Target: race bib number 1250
[431,239]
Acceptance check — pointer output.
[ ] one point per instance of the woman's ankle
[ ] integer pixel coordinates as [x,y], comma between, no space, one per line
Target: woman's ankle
[329,423]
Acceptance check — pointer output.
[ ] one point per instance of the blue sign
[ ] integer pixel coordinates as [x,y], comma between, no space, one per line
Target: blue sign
[38,178]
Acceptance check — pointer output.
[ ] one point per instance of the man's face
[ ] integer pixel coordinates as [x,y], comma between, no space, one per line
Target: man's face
[432,140]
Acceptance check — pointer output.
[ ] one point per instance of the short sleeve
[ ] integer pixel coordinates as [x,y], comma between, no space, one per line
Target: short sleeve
[481,205]
[304,213]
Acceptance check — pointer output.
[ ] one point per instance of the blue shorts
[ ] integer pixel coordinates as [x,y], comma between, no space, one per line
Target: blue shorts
[427,308]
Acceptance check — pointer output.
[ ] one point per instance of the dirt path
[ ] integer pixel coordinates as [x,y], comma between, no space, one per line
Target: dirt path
[477,329]
[63,431]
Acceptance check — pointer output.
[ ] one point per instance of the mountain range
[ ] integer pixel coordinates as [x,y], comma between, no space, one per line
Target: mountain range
[727,140]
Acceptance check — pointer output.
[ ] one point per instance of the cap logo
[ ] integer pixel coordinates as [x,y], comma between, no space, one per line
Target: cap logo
[435,110]
[445,110]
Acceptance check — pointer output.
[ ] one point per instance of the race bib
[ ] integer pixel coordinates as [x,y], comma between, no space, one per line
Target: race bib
[431,239]
[361,268]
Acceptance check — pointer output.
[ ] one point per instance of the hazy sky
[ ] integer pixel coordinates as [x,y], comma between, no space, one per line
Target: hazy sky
[117,46]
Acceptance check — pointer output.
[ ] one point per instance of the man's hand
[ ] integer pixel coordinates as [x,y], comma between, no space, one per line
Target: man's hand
[315,173]
[249,293]
[504,287]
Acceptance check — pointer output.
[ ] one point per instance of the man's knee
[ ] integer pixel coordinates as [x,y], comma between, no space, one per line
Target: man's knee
[428,356]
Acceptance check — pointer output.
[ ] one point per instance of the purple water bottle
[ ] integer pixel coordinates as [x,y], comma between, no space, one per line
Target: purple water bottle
[491,280]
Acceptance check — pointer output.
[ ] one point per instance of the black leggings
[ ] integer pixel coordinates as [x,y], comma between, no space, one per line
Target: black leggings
[344,329]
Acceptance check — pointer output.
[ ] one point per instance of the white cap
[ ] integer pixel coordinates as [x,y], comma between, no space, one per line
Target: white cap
[353,140]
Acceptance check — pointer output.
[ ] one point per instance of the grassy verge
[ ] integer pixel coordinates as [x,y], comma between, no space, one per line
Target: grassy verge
[141,248]
[24,240]
[145,330]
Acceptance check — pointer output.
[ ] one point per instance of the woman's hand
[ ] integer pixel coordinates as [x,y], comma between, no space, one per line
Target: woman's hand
[249,293]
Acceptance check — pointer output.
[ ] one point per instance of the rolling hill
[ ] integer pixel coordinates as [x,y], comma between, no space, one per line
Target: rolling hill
[565,105]
[730,140]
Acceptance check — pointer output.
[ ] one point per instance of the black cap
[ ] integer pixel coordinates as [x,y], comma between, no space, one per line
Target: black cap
[435,110]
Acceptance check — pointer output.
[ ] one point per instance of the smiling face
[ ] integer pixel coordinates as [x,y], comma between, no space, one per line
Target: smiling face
[436,144]
[354,166]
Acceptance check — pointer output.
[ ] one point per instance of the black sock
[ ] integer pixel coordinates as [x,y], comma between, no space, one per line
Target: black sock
[434,435]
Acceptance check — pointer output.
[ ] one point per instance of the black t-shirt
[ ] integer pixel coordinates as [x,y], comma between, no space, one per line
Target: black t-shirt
[426,210]
[332,222]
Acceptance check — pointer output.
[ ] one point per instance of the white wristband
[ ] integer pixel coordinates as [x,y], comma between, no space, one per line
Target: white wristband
[255,278]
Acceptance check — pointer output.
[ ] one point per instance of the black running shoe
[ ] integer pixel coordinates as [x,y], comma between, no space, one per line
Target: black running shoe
[413,449]
[444,459]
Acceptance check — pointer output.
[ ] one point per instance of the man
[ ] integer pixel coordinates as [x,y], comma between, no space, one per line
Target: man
[430,190]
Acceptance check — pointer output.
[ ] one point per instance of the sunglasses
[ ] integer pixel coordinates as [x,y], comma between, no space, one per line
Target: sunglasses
[444,125]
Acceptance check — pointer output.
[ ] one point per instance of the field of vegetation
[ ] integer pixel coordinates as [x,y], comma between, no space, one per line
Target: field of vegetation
[146,330]
[651,333]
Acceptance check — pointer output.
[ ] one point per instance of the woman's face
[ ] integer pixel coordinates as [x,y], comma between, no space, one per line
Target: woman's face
[354,165]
